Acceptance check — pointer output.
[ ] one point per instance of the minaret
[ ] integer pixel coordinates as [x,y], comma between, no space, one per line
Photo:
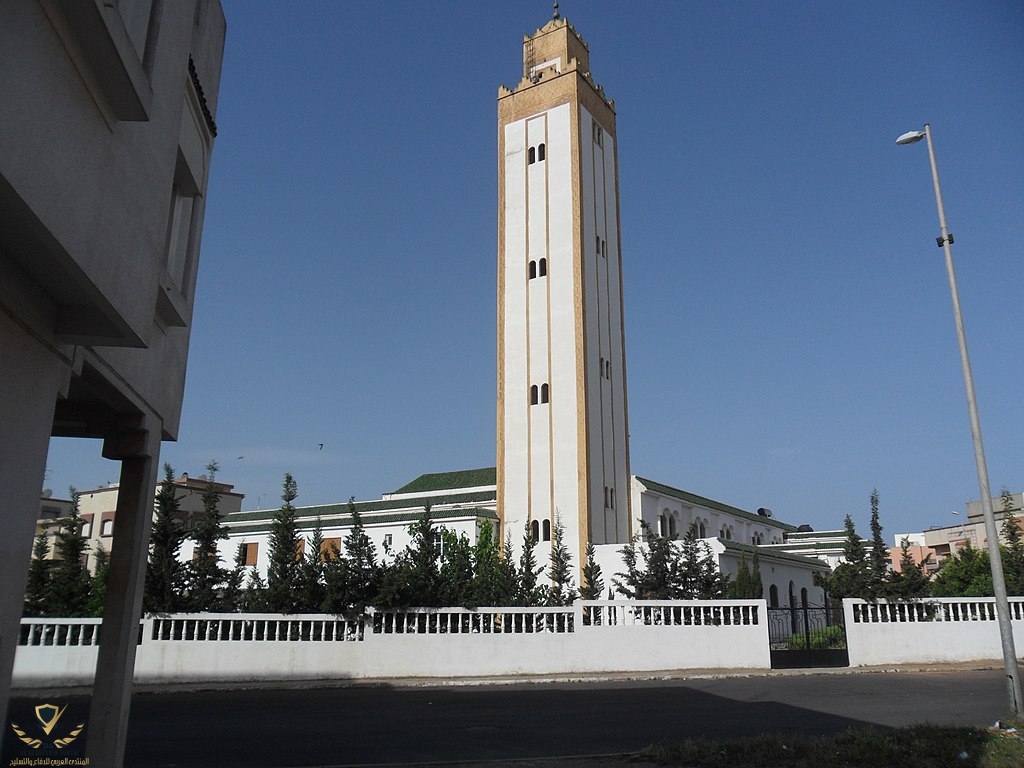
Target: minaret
[562,436]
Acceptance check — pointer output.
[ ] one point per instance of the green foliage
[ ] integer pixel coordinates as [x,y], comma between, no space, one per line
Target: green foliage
[254,598]
[68,587]
[879,561]
[530,591]
[671,570]
[455,577]
[354,580]
[562,589]
[165,573]
[490,586]
[205,576]
[413,579]
[98,582]
[967,574]
[853,577]
[37,587]
[911,583]
[821,638]
[593,581]
[1013,552]
[283,569]
[233,595]
[312,590]
[919,745]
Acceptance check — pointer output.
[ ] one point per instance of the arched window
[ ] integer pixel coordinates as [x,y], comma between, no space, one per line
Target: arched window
[803,597]
[672,532]
[608,368]
[544,392]
[612,505]
[606,497]
[533,395]
[702,529]
[535,530]
[533,269]
[540,153]
[531,156]
[547,523]
[543,268]
[773,596]
[602,366]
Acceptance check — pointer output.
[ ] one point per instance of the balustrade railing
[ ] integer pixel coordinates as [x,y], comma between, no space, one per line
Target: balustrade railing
[933,609]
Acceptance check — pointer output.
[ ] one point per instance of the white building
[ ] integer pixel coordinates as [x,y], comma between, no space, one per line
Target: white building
[562,436]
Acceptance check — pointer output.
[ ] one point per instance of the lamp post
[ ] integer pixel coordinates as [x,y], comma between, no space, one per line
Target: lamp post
[945,241]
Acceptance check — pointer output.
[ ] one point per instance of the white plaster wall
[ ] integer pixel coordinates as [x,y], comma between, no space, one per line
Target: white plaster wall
[974,636]
[605,648]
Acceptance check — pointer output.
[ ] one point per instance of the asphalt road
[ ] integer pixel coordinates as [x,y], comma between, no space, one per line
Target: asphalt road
[366,725]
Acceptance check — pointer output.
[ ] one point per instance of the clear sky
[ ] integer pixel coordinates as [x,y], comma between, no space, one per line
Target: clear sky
[789,332]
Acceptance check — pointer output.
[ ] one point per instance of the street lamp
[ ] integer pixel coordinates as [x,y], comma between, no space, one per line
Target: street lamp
[945,241]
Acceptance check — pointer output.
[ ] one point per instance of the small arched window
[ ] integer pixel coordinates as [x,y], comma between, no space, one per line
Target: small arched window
[540,153]
[547,523]
[672,532]
[533,395]
[542,268]
[533,269]
[531,156]
[773,596]
[606,497]
[803,597]
[544,391]
[702,529]
[612,506]
[535,530]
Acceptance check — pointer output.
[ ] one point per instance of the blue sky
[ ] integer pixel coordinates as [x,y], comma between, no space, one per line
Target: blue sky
[789,332]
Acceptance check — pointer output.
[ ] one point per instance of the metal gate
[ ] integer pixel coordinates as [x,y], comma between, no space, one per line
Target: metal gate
[807,636]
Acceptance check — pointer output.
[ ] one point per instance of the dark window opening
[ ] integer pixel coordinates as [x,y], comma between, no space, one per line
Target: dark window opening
[542,268]
[533,269]
[547,523]
[540,153]
[533,394]
[544,393]
[531,156]
[535,530]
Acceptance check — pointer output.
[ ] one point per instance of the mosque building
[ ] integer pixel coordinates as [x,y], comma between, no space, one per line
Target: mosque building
[562,435]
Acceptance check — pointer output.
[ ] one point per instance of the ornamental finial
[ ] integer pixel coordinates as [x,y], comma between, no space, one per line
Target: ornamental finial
[555,16]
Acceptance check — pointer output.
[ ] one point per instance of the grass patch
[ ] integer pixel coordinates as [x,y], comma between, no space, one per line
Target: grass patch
[920,745]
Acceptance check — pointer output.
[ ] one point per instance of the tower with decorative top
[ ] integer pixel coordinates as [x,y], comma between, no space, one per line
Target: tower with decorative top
[562,424]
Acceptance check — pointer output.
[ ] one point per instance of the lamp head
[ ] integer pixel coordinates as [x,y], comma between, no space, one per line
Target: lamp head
[910,137]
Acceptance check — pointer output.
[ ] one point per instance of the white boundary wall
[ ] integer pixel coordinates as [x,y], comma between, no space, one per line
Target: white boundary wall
[946,629]
[449,643]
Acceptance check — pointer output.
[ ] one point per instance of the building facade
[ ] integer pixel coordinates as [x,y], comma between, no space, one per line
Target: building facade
[562,436]
[106,135]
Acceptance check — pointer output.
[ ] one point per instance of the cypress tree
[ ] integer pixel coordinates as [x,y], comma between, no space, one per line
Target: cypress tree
[205,575]
[312,591]
[69,583]
[593,583]
[165,573]
[283,571]
[37,588]
[529,591]
[562,590]
[879,563]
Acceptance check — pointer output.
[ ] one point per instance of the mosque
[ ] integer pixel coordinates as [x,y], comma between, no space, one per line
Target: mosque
[562,436]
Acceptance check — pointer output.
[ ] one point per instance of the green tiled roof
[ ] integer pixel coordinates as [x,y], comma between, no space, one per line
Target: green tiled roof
[442,481]
[693,498]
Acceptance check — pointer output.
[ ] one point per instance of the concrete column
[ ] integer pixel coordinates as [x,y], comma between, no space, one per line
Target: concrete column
[29,383]
[138,448]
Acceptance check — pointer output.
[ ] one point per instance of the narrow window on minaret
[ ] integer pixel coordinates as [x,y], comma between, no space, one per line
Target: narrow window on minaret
[547,530]
[544,393]
[613,499]
[532,156]
[533,269]
[602,366]
[540,153]
[533,395]
[606,497]
[542,268]
[597,244]
[535,531]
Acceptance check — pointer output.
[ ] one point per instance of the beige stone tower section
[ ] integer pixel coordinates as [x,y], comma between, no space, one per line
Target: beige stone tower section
[562,424]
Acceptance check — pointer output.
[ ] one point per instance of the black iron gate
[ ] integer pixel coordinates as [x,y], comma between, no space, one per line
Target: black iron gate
[807,636]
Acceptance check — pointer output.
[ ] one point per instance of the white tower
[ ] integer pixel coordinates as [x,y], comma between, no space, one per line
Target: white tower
[562,436]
